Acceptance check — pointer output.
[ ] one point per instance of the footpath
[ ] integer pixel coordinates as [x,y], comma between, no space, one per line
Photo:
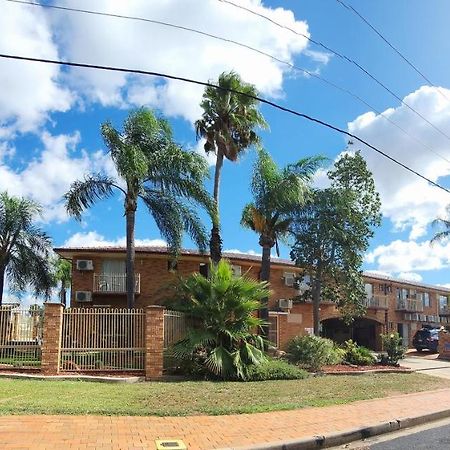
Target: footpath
[297,429]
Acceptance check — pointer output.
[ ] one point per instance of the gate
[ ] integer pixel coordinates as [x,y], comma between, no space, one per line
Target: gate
[100,339]
[21,336]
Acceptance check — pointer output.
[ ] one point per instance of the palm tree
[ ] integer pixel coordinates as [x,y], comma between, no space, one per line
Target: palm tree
[24,248]
[444,234]
[62,277]
[277,194]
[150,167]
[228,124]
[222,307]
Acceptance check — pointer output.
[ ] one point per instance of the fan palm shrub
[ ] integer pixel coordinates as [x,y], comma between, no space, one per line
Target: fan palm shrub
[222,307]
[228,125]
[152,168]
[24,248]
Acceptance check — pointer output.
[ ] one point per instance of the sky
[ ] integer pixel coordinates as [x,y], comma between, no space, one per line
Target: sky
[50,116]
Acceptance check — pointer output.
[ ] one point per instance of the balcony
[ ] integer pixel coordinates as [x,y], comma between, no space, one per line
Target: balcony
[115,283]
[409,304]
[444,310]
[377,302]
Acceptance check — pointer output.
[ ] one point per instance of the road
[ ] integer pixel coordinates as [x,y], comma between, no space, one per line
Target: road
[431,436]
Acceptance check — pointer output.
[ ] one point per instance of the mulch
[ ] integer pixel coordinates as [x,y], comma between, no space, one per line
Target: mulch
[342,369]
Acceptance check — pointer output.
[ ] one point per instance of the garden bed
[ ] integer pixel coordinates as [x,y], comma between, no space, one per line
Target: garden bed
[345,369]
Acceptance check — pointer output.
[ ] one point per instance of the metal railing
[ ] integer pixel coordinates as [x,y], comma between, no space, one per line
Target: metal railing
[444,310]
[21,336]
[377,302]
[175,327]
[115,283]
[409,304]
[102,340]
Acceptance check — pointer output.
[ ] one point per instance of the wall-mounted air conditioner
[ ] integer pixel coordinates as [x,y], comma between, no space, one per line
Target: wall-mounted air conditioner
[83,296]
[237,270]
[284,303]
[85,264]
[289,278]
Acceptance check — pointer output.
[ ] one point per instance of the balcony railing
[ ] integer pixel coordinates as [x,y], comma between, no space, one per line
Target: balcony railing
[409,304]
[444,310]
[115,283]
[377,302]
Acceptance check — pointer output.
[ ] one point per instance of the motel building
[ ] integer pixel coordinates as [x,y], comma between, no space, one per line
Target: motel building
[98,280]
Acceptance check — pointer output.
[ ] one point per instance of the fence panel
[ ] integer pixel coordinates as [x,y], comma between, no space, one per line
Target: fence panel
[175,327]
[102,340]
[21,336]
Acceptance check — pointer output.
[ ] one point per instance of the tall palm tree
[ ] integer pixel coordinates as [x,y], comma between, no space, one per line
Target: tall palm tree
[150,167]
[444,234]
[277,194]
[24,248]
[62,277]
[228,124]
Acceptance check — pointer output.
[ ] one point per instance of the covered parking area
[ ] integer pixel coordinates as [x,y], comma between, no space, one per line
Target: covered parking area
[364,331]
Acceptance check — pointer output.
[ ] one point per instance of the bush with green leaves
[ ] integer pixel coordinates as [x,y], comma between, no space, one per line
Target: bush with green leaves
[275,369]
[393,346]
[357,355]
[223,341]
[312,352]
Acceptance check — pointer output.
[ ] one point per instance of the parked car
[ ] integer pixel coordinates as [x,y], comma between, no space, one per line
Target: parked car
[426,339]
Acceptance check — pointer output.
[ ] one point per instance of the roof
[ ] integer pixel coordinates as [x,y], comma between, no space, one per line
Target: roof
[70,251]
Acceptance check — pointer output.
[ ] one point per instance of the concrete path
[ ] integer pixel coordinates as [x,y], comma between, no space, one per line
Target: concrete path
[210,432]
[427,363]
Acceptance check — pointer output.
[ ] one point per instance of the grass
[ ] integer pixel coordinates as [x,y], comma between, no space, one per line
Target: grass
[192,398]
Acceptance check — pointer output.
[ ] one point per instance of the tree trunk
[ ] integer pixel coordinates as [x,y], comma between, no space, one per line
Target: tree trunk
[2,282]
[130,211]
[215,243]
[316,307]
[266,243]
[63,295]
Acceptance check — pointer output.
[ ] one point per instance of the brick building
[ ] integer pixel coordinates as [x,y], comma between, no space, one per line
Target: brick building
[98,280]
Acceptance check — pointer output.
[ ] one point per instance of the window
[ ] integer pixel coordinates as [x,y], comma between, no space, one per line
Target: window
[237,270]
[289,278]
[369,290]
[203,269]
[443,301]
[113,267]
[426,299]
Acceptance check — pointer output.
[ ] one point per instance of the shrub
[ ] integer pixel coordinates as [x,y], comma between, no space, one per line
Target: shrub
[357,355]
[312,352]
[275,369]
[392,344]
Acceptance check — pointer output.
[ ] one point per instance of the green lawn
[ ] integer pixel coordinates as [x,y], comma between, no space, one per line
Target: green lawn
[190,398]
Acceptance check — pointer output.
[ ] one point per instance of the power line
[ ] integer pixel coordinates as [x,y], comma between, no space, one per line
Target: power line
[248,47]
[233,91]
[343,57]
[396,50]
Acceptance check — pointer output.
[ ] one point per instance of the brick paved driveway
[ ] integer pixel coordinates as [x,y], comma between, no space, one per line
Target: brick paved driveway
[208,432]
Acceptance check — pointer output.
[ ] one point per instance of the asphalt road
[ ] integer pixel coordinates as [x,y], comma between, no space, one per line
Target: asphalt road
[433,439]
[429,436]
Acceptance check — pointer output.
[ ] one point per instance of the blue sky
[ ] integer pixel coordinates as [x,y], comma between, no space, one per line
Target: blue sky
[50,118]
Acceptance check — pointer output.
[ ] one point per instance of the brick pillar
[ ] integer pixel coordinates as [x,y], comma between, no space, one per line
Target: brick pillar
[154,342]
[51,346]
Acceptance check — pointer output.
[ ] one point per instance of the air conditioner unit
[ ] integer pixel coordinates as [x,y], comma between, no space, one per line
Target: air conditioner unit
[285,304]
[85,264]
[237,270]
[83,296]
[289,278]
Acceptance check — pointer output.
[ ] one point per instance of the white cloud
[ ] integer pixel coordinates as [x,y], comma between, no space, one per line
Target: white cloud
[94,239]
[48,176]
[134,44]
[409,202]
[410,256]
[30,91]
[410,276]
